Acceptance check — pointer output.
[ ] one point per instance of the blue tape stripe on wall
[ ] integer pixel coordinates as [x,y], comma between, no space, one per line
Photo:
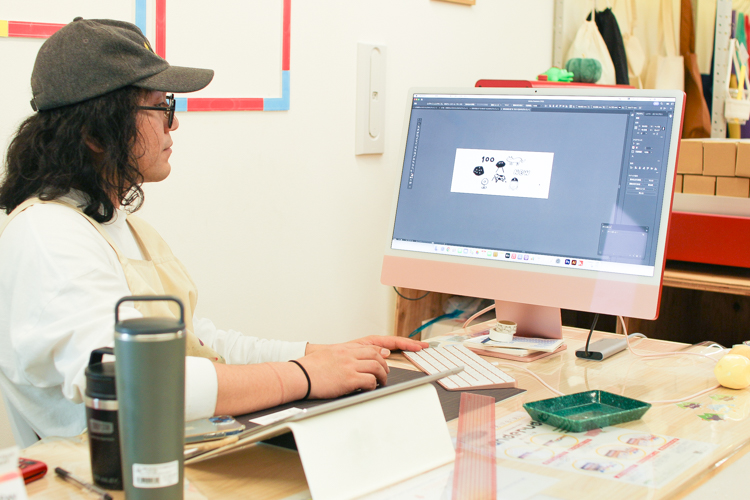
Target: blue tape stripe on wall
[140,15]
[279,103]
[180,104]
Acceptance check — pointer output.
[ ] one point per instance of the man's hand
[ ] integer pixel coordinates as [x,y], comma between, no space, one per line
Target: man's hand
[342,368]
[386,343]
[391,343]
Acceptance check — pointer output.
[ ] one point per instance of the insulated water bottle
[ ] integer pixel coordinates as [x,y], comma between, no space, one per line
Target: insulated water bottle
[101,419]
[150,379]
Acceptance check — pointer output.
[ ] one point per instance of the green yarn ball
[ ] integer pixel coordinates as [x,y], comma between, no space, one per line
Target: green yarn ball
[584,70]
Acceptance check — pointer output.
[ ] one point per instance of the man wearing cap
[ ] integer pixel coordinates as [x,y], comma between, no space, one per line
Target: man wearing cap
[71,247]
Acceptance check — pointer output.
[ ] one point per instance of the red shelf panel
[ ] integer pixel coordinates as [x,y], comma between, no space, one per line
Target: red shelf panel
[710,239]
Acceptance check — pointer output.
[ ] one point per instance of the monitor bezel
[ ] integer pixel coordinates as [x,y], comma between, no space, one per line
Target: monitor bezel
[399,264]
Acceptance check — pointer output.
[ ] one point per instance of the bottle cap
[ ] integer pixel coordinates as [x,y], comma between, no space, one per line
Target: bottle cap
[149,326]
[100,377]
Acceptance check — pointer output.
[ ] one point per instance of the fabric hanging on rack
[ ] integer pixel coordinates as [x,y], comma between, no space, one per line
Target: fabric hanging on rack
[745,129]
[606,22]
[706,53]
[740,30]
[697,120]
[705,25]
[588,44]
[733,129]
[666,72]
[633,49]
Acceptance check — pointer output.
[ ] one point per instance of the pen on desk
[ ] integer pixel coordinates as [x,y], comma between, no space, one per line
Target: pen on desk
[67,476]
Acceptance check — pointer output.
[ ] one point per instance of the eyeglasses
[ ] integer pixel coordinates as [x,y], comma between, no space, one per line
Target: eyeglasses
[168,109]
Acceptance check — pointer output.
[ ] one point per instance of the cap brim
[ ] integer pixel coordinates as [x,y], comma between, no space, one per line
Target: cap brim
[177,79]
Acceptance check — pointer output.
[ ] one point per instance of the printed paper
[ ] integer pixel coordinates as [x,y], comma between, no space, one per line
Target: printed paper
[611,453]
[524,174]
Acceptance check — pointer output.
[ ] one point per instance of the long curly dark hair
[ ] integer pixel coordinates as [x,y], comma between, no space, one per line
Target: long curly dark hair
[52,153]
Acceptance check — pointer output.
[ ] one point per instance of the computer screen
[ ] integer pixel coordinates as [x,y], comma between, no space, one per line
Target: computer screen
[551,197]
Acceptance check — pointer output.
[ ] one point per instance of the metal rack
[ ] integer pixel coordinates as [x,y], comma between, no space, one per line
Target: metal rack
[722,58]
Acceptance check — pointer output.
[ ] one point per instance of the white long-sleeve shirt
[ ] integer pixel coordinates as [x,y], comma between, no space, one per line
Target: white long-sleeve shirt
[59,282]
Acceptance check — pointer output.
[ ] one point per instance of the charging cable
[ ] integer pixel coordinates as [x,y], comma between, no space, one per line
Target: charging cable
[664,354]
[643,355]
[475,316]
[588,339]
[450,315]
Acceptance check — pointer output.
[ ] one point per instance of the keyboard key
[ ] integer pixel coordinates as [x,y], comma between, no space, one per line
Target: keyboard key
[477,374]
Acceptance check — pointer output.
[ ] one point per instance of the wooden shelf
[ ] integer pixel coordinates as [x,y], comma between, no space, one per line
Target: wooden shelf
[708,278]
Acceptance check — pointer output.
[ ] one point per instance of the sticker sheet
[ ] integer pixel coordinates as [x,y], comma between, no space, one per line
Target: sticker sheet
[524,174]
[612,453]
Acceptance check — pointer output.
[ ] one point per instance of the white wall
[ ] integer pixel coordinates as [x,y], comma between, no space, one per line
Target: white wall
[281,225]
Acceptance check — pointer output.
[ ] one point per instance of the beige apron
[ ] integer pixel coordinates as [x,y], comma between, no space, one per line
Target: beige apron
[159,274]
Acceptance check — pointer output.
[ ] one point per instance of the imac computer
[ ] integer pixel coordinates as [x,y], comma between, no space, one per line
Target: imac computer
[540,199]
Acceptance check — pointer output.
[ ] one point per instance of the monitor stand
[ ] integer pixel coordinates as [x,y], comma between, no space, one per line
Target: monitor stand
[532,321]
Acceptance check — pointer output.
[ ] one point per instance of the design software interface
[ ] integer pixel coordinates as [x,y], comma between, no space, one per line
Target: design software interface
[569,181]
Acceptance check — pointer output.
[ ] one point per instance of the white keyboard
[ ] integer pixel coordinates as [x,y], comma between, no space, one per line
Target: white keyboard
[477,373]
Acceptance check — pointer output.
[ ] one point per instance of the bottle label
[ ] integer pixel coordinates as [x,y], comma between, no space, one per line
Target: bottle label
[156,475]
[100,427]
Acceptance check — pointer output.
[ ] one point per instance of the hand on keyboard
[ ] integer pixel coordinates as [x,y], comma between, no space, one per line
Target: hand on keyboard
[477,374]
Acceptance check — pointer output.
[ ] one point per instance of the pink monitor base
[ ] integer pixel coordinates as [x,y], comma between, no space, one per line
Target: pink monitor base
[551,292]
[531,321]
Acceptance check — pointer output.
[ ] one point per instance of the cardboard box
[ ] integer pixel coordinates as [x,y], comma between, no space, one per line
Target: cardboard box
[678,183]
[742,168]
[738,187]
[691,157]
[699,184]
[719,157]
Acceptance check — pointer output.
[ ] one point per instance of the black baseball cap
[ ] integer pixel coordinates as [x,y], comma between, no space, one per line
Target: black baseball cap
[91,57]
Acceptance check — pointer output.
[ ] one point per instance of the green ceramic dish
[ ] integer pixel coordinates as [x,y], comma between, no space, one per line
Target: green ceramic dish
[586,410]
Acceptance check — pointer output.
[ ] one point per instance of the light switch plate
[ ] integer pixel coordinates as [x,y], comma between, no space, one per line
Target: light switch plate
[370,122]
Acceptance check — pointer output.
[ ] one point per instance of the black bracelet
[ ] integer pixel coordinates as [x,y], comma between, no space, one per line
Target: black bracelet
[309,384]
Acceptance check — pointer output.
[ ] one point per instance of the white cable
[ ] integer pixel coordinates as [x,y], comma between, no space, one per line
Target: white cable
[545,384]
[658,354]
[663,354]
[655,355]
[475,316]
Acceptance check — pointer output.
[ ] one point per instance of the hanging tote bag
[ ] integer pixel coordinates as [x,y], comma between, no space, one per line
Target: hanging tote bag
[745,129]
[588,44]
[737,103]
[697,121]
[666,72]
[634,52]
[610,32]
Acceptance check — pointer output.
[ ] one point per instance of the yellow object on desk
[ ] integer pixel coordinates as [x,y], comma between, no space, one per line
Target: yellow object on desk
[733,370]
